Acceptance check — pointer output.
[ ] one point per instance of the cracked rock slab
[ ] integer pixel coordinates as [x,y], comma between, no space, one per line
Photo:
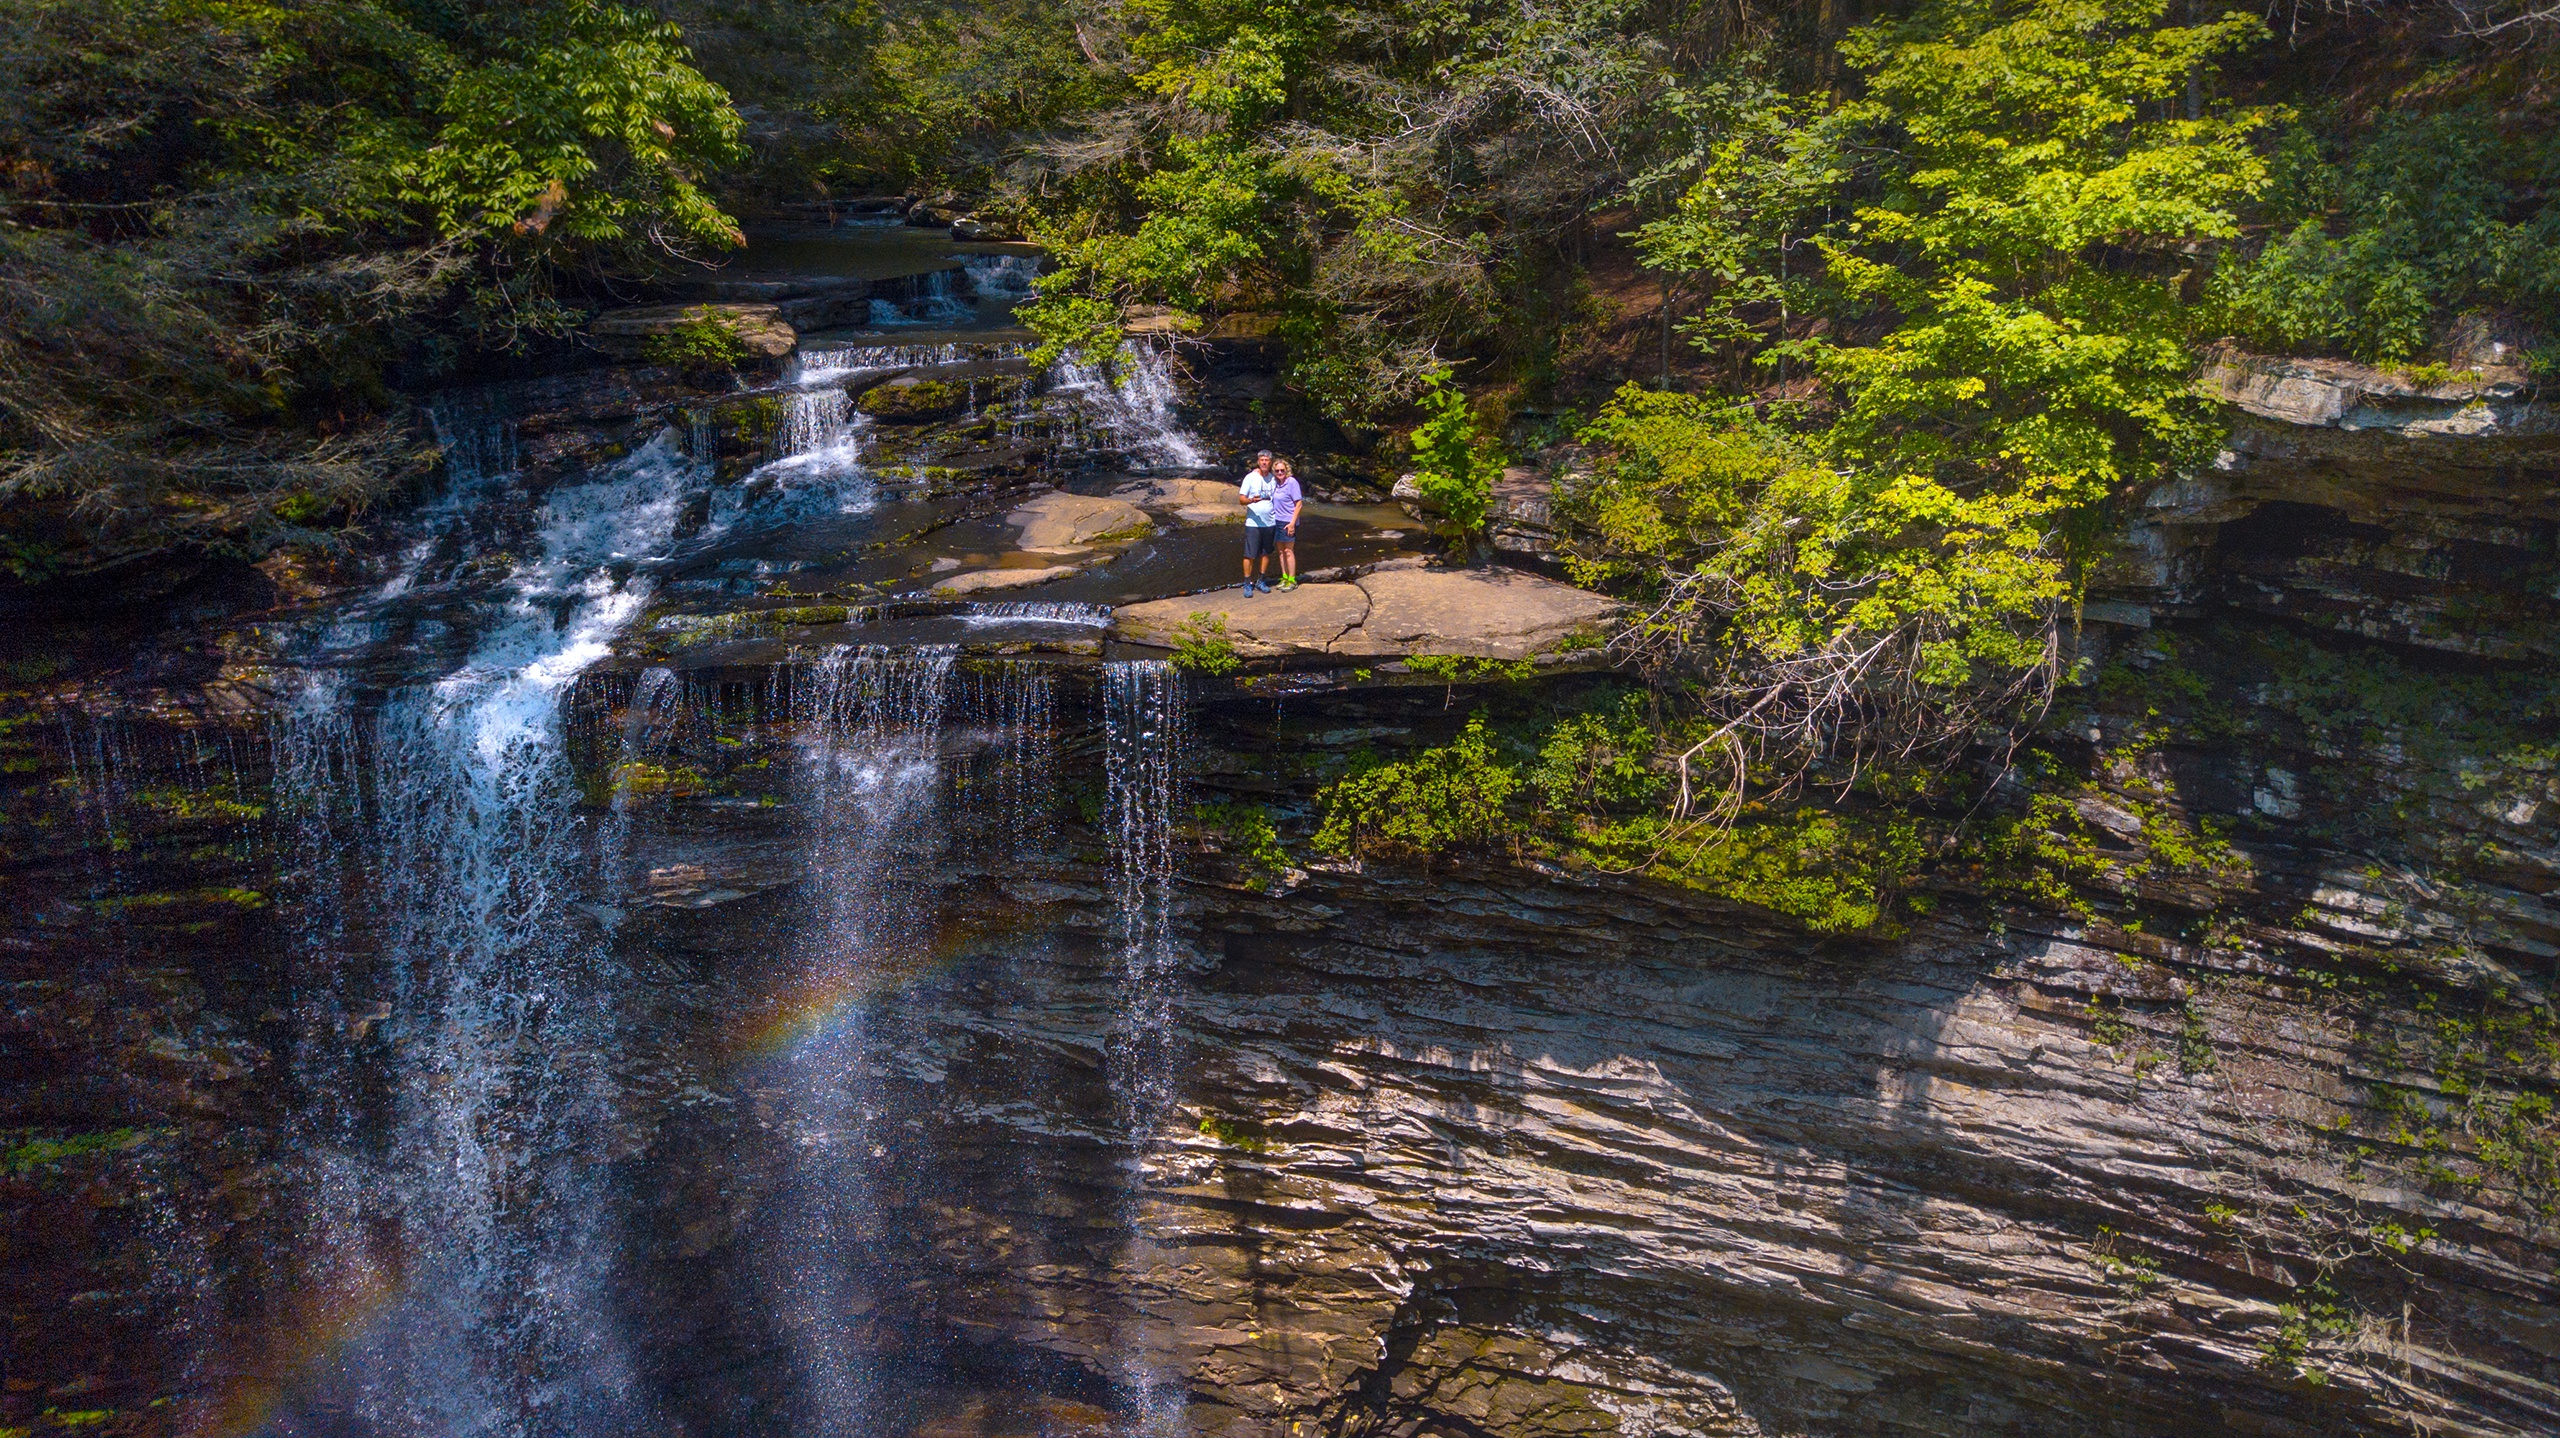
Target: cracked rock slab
[984,580]
[1058,520]
[1490,614]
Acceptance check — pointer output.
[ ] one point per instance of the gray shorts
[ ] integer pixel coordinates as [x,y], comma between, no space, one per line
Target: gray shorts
[1260,539]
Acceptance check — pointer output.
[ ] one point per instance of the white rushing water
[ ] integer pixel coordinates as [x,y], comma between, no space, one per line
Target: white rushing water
[1130,405]
[935,299]
[455,843]
[817,469]
[1142,777]
[1002,279]
[869,789]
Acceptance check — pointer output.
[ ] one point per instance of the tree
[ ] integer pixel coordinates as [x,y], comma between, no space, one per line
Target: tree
[225,219]
[1877,587]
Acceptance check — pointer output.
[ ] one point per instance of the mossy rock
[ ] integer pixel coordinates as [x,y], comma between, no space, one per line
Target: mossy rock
[913,401]
[810,614]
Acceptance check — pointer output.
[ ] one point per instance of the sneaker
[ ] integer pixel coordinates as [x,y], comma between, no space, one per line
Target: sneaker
[1289,582]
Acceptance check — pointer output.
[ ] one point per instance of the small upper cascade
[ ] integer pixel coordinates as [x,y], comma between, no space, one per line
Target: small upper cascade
[1033,612]
[814,420]
[476,442]
[1131,400]
[1003,279]
[939,298]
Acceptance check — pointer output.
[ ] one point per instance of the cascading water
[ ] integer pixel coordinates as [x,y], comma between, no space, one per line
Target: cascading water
[818,467]
[814,420]
[1131,403]
[992,614]
[1002,280]
[820,366]
[1142,745]
[869,788]
[935,298]
[469,1225]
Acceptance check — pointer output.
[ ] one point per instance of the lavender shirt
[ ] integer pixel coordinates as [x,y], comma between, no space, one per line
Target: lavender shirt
[1284,502]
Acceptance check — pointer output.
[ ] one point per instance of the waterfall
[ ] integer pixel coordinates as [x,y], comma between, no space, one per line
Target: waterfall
[648,724]
[1016,707]
[989,614]
[470,1228]
[813,420]
[476,442]
[1132,401]
[936,298]
[868,787]
[818,468]
[821,366]
[1142,739]
[1004,279]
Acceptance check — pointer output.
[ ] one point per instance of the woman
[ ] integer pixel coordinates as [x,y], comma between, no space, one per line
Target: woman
[1285,495]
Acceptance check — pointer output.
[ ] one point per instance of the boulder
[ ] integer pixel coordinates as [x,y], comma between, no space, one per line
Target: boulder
[1156,320]
[1484,613]
[913,401]
[1519,516]
[1186,501]
[626,333]
[1488,613]
[960,586]
[982,227]
[1056,520]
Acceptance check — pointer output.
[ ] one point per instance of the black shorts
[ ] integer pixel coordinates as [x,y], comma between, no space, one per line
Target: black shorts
[1260,539]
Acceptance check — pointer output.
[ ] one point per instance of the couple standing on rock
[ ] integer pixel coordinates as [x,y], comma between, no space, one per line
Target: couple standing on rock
[1270,495]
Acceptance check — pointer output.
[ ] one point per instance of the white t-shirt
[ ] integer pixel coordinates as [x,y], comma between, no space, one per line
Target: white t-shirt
[1256,487]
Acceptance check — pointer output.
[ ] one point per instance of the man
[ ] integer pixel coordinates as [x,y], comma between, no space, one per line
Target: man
[1285,495]
[1254,493]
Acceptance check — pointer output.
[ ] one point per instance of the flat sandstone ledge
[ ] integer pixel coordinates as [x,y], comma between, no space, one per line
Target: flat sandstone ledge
[1389,613]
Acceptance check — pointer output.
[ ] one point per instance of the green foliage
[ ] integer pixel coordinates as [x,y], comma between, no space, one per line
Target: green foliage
[1227,1133]
[1600,760]
[1247,833]
[229,217]
[1833,872]
[1385,177]
[1455,462]
[2319,1318]
[1442,798]
[2021,202]
[703,341]
[1768,168]
[2380,242]
[32,1153]
[1201,646]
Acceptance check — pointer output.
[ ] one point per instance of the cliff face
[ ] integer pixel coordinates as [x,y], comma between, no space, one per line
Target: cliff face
[2168,1126]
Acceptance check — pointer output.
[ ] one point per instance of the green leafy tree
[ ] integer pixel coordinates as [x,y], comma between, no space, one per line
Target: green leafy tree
[1455,462]
[227,219]
[1883,585]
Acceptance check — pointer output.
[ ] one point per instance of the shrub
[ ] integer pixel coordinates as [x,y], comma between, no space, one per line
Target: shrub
[1201,646]
[2385,243]
[700,342]
[1439,799]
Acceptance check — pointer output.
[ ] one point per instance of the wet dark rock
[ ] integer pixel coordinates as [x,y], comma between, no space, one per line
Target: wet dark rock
[911,400]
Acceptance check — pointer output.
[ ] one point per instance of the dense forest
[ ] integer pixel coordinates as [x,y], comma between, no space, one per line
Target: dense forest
[1914,295]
